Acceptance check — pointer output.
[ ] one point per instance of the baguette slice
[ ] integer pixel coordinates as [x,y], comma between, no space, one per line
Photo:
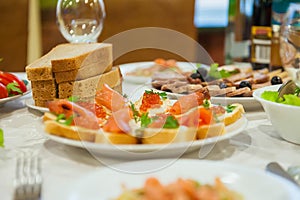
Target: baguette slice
[213,130]
[231,117]
[163,136]
[71,132]
[115,138]
[79,133]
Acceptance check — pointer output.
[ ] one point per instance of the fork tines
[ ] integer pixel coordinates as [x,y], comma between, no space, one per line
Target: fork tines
[28,179]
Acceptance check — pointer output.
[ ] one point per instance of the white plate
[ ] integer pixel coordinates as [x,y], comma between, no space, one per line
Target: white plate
[30,103]
[125,68]
[4,100]
[106,183]
[249,103]
[155,150]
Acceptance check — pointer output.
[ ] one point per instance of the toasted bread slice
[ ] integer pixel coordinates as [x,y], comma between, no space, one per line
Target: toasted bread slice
[71,132]
[162,136]
[237,112]
[115,138]
[79,133]
[212,130]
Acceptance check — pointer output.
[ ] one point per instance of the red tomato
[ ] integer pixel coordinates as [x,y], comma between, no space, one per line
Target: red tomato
[13,78]
[3,91]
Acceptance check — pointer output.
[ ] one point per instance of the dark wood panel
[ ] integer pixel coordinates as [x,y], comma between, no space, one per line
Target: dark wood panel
[13,34]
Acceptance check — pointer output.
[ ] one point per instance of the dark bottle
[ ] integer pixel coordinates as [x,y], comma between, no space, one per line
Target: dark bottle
[261,34]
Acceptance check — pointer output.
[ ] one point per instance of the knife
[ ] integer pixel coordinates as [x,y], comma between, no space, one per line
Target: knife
[275,168]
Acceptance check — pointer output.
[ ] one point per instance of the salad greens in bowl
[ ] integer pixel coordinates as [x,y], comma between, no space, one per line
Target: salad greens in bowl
[283,112]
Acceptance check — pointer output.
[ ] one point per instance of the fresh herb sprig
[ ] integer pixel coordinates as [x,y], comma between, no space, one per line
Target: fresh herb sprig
[145,120]
[171,122]
[135,113]
[61,118]
[229,108]
[1,138]
[216,73]
[163,95]
[73,99]
[13,87]
[206,104]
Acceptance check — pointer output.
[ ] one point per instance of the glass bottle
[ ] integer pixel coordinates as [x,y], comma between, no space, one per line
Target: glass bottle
[261,34]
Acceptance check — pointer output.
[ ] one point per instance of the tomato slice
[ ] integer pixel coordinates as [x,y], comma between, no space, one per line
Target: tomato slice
[3,91]
[13,78]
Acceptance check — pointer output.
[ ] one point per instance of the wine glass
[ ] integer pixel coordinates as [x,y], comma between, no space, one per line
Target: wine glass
[290,42]
[80,21]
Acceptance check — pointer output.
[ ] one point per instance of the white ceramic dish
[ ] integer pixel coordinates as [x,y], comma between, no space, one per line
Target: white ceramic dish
[30,103]
[284,118]
[125,68]
[249,103]
[149,150]
[8,99]
[106,183]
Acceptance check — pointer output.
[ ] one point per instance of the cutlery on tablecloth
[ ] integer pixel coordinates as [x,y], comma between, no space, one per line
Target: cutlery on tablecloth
[275,168]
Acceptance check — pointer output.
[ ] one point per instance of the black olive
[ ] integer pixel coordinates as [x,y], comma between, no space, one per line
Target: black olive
[209,78]
[276,80]
[245,84]
[195,76]
[202,71]
[222,85]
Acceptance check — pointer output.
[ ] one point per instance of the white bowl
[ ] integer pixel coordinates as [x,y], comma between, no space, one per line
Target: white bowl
[285,118]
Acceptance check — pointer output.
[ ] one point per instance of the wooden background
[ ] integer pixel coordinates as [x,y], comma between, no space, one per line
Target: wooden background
[121,15]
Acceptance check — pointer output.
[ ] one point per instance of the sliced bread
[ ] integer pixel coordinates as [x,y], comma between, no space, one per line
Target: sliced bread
[88,87]
[74,56]
[91,70]
[67,57]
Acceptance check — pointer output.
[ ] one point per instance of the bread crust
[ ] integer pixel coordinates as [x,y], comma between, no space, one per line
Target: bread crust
[71,132]
[163,135]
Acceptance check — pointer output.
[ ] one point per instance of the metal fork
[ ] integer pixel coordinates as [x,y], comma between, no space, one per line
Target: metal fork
[28,180]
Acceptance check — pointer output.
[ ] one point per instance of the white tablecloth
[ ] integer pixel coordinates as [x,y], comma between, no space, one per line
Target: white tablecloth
[257,145]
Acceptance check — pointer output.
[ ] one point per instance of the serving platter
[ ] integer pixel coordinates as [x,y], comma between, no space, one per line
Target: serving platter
[249,103]
[130,67]
[249,182]
[12,98]
[141,151]
[30,104]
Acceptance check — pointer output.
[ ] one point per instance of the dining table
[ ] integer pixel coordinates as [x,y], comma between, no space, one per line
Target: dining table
[62,164]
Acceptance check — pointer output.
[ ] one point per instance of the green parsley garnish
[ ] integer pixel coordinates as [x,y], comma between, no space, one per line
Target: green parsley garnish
[134,112]
[163,95]
[171,122]
[61,118]
[145,120]
[73,99]
[1,138]
[206,103]
[13,87]
[230,108]
[215,73]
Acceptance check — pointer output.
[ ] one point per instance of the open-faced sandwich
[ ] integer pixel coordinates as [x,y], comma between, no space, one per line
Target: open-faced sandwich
[181,188]
[153,119]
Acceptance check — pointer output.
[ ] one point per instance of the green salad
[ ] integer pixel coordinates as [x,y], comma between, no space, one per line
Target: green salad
[289,99]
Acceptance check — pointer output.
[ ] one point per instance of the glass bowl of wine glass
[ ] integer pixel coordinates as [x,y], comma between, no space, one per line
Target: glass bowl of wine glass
[80,21]
[290,41]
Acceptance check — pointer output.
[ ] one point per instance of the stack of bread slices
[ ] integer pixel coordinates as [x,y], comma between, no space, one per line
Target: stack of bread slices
[73,70]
